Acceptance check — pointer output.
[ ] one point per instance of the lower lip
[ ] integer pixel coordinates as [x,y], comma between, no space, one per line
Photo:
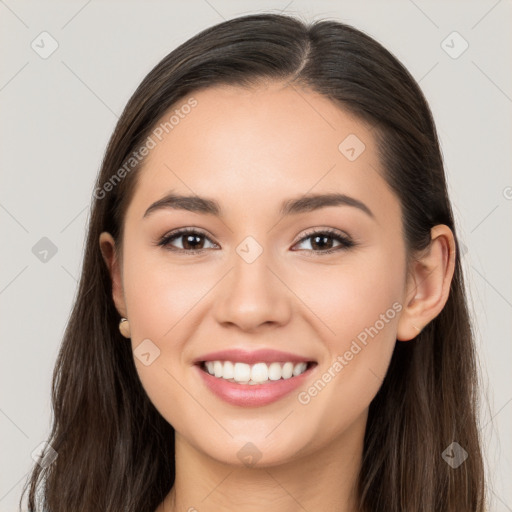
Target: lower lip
[255,395]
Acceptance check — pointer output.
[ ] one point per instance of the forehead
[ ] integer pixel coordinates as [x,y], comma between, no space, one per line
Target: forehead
[249,147]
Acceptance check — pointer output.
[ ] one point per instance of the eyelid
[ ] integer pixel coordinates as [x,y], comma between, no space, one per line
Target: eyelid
[178,232]
[329,231]
[345,240]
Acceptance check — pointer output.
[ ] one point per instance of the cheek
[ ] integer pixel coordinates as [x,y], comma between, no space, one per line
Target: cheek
[162,303]
[351,295]
[159,294]
[356,307]
[158,299]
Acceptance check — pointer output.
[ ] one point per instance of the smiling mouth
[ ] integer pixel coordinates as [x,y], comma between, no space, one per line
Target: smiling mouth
[253,374]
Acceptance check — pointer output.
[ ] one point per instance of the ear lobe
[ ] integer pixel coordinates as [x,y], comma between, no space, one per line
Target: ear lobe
[109,253]
[428,284]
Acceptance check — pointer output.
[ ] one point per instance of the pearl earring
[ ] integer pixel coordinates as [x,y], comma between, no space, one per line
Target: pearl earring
[124,327]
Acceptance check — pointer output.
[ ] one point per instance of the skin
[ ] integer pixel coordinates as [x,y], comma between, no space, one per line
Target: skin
[250,149]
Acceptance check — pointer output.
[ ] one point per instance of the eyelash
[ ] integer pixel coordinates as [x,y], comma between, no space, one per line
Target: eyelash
[346,242]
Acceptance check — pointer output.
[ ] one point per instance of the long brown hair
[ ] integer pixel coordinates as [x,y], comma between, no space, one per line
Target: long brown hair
[115,451]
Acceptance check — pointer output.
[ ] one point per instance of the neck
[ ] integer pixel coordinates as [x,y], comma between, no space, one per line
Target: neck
[323,480]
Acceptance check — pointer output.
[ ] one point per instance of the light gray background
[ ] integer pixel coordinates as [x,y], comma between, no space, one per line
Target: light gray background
[58,113]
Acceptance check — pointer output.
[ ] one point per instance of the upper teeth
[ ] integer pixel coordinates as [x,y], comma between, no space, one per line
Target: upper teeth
[255,373]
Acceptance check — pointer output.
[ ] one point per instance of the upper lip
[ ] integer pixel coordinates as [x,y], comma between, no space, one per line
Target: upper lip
[253,356]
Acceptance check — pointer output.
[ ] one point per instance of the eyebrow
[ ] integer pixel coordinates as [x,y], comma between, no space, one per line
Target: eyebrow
[303,204]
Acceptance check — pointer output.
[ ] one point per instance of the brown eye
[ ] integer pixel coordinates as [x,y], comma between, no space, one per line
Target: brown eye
[190,240]
[323,241]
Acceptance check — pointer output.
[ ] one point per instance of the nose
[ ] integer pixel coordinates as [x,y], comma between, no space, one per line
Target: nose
[252,295]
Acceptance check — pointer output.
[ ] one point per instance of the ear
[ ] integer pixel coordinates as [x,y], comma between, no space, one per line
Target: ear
[110,256]
[428,283]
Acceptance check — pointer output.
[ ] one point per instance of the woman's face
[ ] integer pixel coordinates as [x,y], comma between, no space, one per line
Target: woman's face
[267,277]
